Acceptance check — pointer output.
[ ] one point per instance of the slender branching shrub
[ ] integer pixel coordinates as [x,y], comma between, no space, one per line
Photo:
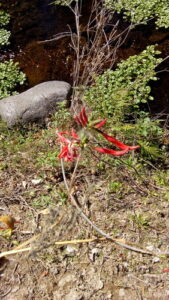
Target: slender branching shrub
[94,49]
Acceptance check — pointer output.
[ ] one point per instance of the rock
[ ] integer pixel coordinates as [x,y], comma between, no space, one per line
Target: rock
[150,247]
[35,104]
[70,250]
[94,253]
[74,295]
[121,292]
[155,259]
[66,279]
[36,181]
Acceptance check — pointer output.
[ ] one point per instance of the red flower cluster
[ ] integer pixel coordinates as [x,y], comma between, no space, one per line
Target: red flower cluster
[70,146]
[117,143]
[82,120]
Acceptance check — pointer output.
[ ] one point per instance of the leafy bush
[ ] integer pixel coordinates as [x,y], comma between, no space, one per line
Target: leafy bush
[10,77]
[4,18]
[115,92]
[140,12]
[63,2]
[4,34]
[4,37]
[117,95]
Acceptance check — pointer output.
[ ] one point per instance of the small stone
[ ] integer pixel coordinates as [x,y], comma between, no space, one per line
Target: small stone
[73,295]
[55,271]
[150,248]
[99,285]
[121,292]
[109,295]
[95,252]
[70,249]
[36,181]
[125,264]
[155,259]
[24,183]
[67,278]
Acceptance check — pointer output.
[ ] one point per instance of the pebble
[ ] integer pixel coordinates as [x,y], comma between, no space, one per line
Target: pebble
[156,259]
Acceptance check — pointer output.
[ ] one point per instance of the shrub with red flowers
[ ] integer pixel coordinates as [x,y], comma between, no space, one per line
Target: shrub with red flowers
[70,146]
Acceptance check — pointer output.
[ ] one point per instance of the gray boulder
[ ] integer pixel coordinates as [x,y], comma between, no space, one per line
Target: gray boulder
[35,104]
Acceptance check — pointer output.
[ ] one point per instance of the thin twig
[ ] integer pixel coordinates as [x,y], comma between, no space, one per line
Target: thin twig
[56,37]
[17,251]
[74,172]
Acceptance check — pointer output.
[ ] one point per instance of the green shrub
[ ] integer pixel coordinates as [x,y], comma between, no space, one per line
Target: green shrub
[139,12]
[4,37]
[117,95]
[116,92]
[63,2]
[4,34]
[4,18]
[10,77]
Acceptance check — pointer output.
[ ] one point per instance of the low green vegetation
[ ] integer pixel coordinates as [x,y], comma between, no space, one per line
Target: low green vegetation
[4,33]
[140,12]
[63,2]
[4,37]
[42,202]
[10,74]
[10,78]
[142,221]
[4,18]
[115,186]
[118,92]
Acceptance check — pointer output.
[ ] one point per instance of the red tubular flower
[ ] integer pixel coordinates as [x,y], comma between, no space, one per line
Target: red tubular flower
[69,154]
[117,142]
[100,124]
[110,151]
[83,121]
[69,149]
[74,135]
[82,118]
[77,119]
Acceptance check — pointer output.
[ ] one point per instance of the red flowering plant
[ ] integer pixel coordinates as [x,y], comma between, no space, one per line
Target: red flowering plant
[71,146]
[82,120]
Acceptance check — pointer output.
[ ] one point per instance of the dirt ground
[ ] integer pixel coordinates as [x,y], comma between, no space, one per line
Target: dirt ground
[138,215]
